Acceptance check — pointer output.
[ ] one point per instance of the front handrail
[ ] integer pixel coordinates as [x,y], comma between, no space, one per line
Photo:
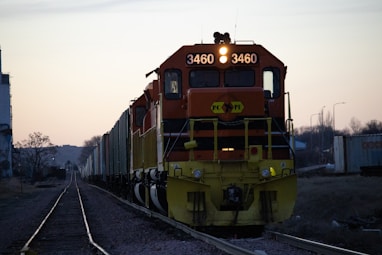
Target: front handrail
[215,123]
[269,134]
[246,122]
[167,153]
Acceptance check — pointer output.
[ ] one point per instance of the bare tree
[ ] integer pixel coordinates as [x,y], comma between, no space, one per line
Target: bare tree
[328,121]
[37,153]
[88,147]
[372,127]
[355,126]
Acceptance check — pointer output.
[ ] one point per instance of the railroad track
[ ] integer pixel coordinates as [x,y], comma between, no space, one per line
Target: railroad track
[235,248]
[316,247]
[65,229]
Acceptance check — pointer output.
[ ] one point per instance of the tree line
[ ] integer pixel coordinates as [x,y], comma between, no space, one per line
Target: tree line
[319,139]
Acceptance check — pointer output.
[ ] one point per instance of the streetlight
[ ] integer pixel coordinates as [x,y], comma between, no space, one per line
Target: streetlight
[311,128]
[334,125]
[322,115]
[322,128]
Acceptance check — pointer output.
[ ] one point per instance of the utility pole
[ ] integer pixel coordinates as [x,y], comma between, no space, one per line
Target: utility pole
[322,133]
[311,130]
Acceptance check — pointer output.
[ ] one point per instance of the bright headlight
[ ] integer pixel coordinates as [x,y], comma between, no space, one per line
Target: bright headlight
[223,59]
[223,55]
[223,50]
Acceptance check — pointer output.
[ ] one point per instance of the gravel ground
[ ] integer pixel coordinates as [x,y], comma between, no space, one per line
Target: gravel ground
[135,233]
[115,226]
[123,230]
[21,213]
[336,210]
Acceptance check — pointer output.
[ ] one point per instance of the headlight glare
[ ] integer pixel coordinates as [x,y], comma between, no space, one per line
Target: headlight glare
[223,59]
[223,50]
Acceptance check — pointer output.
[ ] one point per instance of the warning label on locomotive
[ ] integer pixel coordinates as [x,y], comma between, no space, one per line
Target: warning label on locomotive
[231,107]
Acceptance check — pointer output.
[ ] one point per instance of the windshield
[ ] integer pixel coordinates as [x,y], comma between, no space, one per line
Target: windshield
[204,78]
[239,78]
[207,78]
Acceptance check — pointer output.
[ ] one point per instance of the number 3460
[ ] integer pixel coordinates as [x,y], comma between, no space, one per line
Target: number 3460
[243,58]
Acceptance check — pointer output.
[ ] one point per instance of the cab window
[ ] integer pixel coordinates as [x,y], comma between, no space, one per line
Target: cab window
[239,78]
[271,82]
[204,78]
[173,84]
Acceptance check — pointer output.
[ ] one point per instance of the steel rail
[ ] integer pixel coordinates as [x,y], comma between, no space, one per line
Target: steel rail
[319,248]
[86,223]
[218,243]
[25,249]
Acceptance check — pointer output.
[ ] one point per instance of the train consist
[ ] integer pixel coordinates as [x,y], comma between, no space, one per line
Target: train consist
[208,142]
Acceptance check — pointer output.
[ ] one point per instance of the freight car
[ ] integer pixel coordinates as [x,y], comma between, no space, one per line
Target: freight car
[358,154]
[208,142]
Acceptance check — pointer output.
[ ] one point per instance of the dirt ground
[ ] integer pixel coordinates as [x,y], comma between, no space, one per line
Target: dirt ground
[13,187]
[345,211]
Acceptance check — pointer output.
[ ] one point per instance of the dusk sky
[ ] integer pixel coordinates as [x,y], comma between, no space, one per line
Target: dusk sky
[75,65]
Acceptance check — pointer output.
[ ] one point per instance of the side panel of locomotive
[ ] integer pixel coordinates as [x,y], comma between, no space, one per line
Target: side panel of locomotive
[209,140]
[147,176]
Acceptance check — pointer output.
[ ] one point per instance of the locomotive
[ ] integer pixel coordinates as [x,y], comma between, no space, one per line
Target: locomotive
[208,142]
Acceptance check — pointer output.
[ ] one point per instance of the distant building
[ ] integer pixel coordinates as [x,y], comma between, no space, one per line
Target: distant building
[5,125]
[300,145]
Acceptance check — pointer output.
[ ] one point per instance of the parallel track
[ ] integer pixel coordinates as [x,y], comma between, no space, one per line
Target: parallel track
[217,242]
[318,248]
[64,229]
[315,247]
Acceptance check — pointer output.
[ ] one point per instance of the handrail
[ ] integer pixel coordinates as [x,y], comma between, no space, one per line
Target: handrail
[167,153]
[269,134]
[215,123]
[246,122]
